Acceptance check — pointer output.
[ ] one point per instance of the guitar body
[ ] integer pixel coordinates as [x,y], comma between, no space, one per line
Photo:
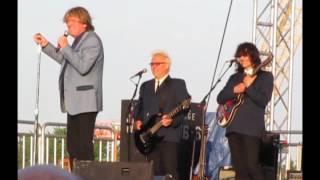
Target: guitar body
[227,111]
[145,140]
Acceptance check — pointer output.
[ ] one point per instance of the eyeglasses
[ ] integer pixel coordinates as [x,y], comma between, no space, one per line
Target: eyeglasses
[157,63]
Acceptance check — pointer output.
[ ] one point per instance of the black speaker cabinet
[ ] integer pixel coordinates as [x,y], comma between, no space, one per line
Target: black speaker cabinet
[128,150]
[270,149]
[269,173]
[190,131]
[92,170]
[269,154]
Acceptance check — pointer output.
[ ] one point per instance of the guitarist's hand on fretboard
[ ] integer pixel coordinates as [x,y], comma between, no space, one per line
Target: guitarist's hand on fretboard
[166,120]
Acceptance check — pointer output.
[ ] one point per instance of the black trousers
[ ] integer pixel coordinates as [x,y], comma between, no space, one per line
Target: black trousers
[165,159]
[80,130]
[245,156]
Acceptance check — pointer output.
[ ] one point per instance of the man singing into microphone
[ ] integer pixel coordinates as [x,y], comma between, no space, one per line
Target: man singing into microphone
[161,95]
[80,80]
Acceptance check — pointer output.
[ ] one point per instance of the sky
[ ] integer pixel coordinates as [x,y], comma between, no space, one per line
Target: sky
[190,31]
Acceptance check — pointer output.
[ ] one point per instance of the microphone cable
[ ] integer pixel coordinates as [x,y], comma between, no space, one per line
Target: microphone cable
[218,58]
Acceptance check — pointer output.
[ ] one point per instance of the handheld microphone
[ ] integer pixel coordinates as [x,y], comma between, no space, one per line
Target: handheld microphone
[65,34]
[139,73]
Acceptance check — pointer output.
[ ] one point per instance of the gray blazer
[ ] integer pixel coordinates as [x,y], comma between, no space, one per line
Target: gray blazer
[80,80]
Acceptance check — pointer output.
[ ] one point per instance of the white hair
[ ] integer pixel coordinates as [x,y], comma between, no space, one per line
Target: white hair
[162,54]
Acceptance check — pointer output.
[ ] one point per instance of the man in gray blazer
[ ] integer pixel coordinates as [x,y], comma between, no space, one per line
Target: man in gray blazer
[80,80]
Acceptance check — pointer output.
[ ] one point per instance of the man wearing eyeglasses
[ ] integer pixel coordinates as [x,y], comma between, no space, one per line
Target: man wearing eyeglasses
[162,94]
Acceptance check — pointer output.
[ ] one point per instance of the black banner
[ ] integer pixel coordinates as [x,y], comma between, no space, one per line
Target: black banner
[190,136]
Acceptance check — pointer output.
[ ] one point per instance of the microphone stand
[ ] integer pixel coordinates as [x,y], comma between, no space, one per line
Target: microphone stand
[214,86]
[128,116]
[204,105]
[36,111]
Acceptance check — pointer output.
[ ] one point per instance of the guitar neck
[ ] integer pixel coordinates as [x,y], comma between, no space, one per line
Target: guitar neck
[264,63]
[255,71]
[175,111]
[158,125]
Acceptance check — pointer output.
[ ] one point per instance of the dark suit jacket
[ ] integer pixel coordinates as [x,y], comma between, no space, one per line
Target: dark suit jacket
[169,95]
[249,118]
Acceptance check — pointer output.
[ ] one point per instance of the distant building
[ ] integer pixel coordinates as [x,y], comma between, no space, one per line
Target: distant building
[107,127]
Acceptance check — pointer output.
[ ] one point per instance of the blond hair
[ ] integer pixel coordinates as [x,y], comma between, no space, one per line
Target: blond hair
[82,14]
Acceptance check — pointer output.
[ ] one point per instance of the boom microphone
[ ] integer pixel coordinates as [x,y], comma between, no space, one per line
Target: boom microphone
[231,61]
[139,73]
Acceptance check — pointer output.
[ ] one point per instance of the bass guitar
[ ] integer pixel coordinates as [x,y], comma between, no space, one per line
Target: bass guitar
[226,112]
[146,138]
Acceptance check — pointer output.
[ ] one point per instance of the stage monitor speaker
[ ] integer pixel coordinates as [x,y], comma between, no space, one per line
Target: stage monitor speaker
[92,170]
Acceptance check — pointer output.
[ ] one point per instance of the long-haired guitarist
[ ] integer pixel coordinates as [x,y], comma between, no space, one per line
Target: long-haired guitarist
[158,102]
[245,131]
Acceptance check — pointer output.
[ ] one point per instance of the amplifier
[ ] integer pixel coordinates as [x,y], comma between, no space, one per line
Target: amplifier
[93,170]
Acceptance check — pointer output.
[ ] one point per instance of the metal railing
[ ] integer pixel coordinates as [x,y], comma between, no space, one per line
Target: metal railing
[52,148]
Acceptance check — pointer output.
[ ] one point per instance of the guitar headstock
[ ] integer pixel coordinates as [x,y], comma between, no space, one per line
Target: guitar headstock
[182,106]
[263,63]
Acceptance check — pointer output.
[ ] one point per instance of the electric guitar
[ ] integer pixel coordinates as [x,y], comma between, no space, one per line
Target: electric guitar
[146,138]
[226,112]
